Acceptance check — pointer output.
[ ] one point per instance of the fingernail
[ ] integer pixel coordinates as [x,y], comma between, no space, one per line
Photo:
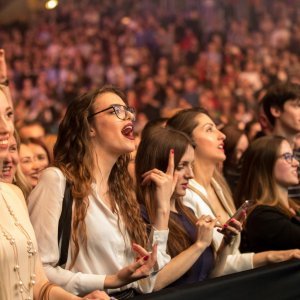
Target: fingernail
[225,225]
[145,258]
[172,151]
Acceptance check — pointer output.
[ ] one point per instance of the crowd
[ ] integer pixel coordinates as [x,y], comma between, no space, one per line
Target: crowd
[129,138]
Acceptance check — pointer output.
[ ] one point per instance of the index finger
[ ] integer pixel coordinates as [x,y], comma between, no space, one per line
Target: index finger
[170,169]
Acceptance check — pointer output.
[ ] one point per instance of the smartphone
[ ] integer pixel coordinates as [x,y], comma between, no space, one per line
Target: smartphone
[239,214]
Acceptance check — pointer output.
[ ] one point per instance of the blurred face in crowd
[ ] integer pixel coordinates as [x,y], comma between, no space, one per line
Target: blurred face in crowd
[184,170]
[40,155]
[6,125]
[286,166]
[241,146]
[289,117]
[10,161]
[32,131]
[33,159]
[209,140]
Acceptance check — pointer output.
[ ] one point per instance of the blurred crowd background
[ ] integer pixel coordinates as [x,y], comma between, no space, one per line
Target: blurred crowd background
[165,55]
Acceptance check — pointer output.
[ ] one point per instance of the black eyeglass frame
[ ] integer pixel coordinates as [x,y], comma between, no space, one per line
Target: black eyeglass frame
[128,109]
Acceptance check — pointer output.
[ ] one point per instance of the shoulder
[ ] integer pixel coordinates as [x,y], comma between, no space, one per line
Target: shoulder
[52,173]
[266,212]
[13,192]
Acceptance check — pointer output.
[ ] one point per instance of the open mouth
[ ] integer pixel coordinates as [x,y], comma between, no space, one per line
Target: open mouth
[6,171]
[4,144]
[127,131]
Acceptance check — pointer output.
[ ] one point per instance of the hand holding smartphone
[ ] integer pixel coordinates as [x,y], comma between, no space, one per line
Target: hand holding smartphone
[240,215]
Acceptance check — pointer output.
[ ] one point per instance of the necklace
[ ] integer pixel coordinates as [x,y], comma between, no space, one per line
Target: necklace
[23,288]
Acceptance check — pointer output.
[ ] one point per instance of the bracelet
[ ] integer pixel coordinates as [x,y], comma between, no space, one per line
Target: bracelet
[5,82]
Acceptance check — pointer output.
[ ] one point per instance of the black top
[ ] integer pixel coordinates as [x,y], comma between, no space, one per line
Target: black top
[203,265]
[268,228]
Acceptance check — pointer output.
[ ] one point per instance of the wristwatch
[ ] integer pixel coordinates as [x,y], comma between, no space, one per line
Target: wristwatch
[4,82]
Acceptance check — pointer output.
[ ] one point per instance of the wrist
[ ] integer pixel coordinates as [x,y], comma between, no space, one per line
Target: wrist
[200,245]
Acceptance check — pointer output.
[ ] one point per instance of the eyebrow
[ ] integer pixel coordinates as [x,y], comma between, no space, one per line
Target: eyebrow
[209,123]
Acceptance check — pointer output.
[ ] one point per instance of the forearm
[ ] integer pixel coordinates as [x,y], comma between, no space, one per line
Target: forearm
[178,265]
[222,254]
[161,219]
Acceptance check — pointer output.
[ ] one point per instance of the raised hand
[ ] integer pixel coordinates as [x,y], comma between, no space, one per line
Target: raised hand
[165,182]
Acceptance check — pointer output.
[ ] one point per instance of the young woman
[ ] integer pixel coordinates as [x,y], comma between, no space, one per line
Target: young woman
[269,168]
[91,153]
[21,273]
[34,158]
[208,192]
[189,243]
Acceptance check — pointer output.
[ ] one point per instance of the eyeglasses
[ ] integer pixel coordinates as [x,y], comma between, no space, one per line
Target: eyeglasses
[121,111]
[288,157]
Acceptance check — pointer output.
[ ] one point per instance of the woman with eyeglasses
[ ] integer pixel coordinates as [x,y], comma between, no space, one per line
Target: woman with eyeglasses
[208,192]
[108,236]
[269,168]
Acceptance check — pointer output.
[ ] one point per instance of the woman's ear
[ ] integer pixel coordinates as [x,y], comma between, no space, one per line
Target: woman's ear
[92,132]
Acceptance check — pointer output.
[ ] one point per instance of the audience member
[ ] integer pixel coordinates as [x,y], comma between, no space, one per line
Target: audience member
[208,192]
[91,156]
[21,271]
[161,152]
[269,168]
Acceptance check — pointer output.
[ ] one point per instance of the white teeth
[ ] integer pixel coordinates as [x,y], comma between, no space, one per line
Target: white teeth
[4,142]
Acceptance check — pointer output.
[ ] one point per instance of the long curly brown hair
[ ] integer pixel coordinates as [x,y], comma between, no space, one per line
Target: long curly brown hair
[73,155]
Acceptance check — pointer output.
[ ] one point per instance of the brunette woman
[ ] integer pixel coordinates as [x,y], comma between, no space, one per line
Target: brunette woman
[269,168]
[91,154]
[208,192]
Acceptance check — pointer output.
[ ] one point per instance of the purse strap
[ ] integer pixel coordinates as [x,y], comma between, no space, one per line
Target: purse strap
[64,225]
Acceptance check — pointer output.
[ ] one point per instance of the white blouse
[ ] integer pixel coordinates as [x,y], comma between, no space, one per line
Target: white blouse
[8,259]
[108,249]
[235,262]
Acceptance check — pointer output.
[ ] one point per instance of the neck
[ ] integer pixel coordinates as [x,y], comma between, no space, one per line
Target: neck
[283,195]
[172,205]
[104,163]
[203,172]
[279,130]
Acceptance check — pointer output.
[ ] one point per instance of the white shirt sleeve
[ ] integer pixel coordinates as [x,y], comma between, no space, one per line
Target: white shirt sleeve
[45,205]
[235,262]
[107,250]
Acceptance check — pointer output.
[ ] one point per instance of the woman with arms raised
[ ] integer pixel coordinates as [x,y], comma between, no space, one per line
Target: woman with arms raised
[269,168]
[189,243]
[208,192]
[91,154]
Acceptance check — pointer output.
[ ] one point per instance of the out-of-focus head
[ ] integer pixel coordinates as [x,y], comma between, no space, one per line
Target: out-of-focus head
[6,124]
[281,105]
[31,129]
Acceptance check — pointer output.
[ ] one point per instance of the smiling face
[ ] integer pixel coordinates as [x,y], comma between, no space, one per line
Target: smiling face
[29,165]
[6,125]
[40,156]
[184,170]
[108,132]
[209,140]
[10,162]
[285,171]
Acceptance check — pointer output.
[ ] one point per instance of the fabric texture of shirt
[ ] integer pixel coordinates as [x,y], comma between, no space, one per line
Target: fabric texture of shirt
[268,228]
[236,261]
[108,248]
[8,277]
[203,265]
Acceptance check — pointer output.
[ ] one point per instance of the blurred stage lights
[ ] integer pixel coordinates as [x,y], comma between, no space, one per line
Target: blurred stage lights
[51,4]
